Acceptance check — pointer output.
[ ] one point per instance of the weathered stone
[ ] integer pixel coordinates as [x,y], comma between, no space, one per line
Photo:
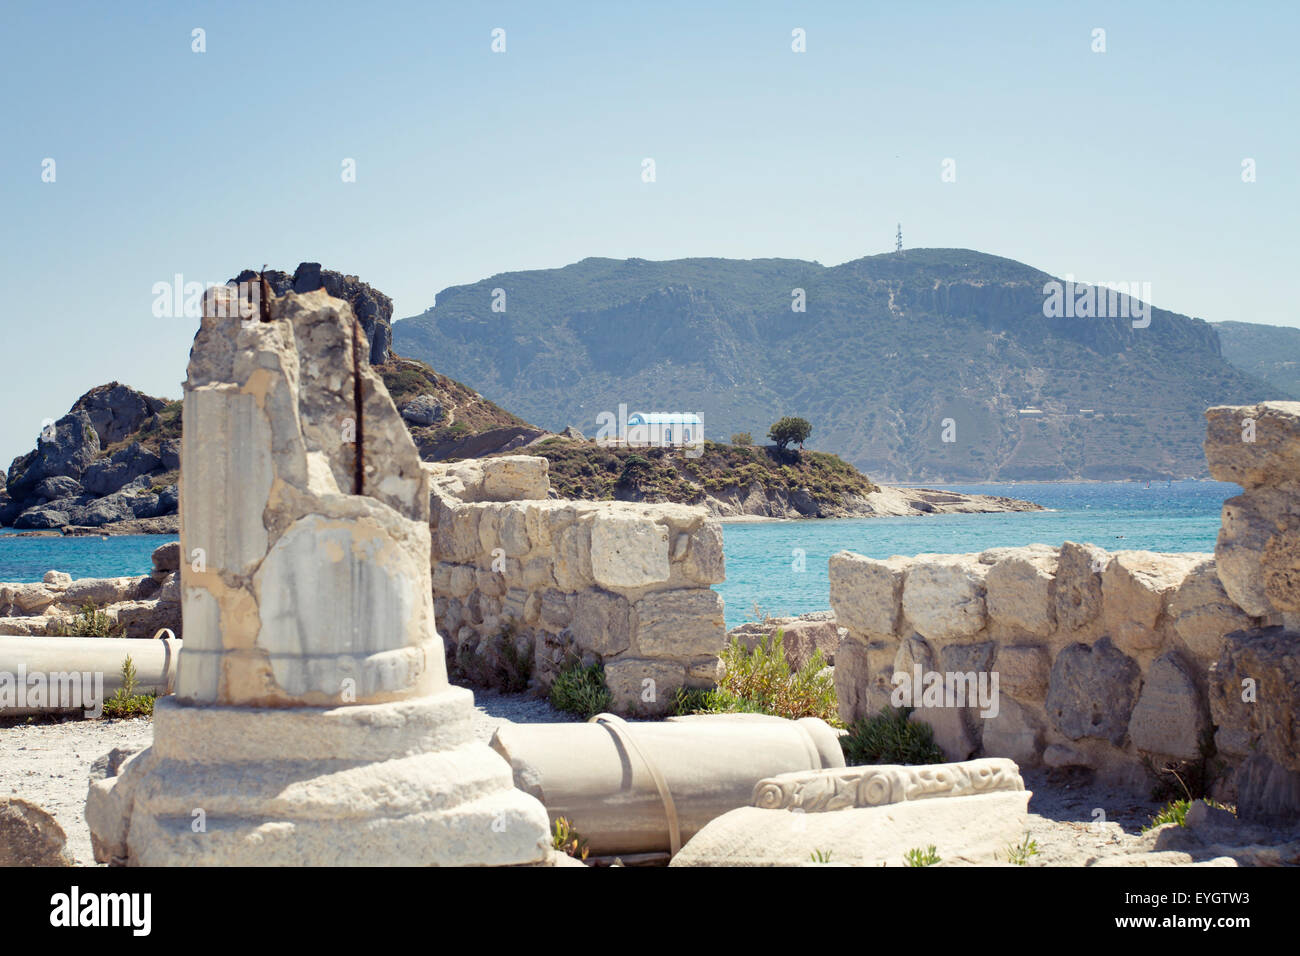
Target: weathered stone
[643,686]
[1256,446]
[1135,587]
[423,410]
[1171,717]
[1078,584]
[1203,614]
[602,622]
[313,721]
[1092,691]
[1250,524]
[1023,672]
[628,551]
[867,594]
[1015,733]
[801,637]
[167,557]
[1021,591]
[680,624]
[863,677]
[29,836]
[703,561]
[573,570]
[849,812]
[1255,695]
[945,601]
[515,478]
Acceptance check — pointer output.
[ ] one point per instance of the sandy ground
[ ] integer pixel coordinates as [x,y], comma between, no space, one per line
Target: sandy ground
[48,764]
[1073,822]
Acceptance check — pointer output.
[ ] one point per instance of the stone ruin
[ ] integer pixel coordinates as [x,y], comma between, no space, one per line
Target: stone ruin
[612,583]
[312,720]
[1112,661]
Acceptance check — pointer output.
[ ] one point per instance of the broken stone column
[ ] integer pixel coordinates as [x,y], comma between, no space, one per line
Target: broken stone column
[312,721]
[601,777]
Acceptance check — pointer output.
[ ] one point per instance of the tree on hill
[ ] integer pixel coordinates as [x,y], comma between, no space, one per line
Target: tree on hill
[790,431]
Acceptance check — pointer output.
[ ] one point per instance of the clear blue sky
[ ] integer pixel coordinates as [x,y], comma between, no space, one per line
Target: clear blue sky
[1123,165]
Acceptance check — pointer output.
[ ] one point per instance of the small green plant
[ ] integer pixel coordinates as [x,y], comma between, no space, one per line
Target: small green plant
[125,702]
[1019,855]
[565,838]
[761,681]
[581,690]
[918,857]
[821,856]
[1175,811]
[742,438]
[890,737]
[90,622]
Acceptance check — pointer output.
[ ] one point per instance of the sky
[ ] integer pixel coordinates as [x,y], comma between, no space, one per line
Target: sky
[1117,165]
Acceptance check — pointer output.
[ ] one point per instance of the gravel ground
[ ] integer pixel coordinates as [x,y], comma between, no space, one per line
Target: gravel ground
[48,764]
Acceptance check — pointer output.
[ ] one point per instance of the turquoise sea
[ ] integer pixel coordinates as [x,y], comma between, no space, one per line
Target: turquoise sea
[763,557]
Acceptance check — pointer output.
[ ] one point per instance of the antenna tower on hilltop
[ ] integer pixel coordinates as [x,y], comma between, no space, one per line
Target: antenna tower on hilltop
[898,239]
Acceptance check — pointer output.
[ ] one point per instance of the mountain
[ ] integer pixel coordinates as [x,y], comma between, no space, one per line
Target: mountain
[894,354]
[1268,352]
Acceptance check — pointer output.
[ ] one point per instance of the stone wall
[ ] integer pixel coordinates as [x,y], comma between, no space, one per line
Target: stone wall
[524,583]
[1104,658]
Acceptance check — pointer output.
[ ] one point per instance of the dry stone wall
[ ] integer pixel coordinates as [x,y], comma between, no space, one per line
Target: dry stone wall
[1109,660]
[524,583]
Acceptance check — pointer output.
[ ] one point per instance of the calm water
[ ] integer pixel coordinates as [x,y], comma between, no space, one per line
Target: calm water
[1183,516]
[1117,516]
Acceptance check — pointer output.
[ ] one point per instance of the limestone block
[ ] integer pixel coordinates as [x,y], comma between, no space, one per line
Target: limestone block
[515,478]
[870,816]
[1135,587]
[1255,695]
[489,530]
[956,722]
[537,574]
[58,580]
[1023,672]
[99,591]
[28,598]
[1247,527]
[701,556]
[489,583]
[680,624]
[945,599]
[167,557]
[514,532]
[461,581]
[557,609]
[573,571]
[1092,691]
[1016,733]
[1021,591]
[457,536]
[1078,585]
[628,551]
[866,593]
[1271,460]
[1171,716]
[643,686]
[602,622]
[863,677]
[1203,614]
